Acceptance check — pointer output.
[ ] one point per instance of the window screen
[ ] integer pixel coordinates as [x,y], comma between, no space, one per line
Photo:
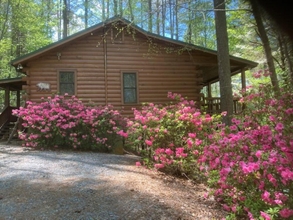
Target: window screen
[129,88]
[67,83]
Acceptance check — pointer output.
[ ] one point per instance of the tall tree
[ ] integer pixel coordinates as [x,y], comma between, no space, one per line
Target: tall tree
[150,16]
[65,18]
[115,7]
[86,14]
[266,43]
[223,60]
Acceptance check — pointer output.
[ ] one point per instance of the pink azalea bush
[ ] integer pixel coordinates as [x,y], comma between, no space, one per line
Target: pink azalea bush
[250,164]
[62,121]
[171,137]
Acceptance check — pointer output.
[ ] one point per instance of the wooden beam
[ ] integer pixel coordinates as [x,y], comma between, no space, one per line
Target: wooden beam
[18,98]
[209,91]
[243,79]
[7,97]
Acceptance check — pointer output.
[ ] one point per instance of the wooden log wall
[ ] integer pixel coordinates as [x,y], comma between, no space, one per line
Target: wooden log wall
[99,63]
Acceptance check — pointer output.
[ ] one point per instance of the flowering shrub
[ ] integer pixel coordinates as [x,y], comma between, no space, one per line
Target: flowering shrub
[65,122]
[250,164]
[171,136]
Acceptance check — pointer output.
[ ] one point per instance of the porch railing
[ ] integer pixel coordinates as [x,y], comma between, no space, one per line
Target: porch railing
[213,105]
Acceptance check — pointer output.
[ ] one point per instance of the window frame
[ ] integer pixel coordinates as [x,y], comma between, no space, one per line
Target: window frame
[74,71]
[123,88]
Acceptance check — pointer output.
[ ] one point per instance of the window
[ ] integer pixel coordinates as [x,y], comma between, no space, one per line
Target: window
[67,82]
[129,88]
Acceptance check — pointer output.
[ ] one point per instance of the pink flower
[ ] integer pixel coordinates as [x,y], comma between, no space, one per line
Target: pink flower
[272,118]
[286,213]
[234,208]
[266,197]
[159,166]
[224,113]
[279,202]
[168,151]
[226,208]
[250,216]
[138,163]
[265,215]
[279,127]
[258,154]
[198,142]
[192,135]
[148,142]
[256,75]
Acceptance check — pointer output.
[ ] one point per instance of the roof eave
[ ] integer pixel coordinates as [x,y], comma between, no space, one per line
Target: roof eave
[247,63]
[61,42]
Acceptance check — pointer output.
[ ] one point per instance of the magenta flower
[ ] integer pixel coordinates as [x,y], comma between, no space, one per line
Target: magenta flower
[265,215]
[279,127]
[169,152]
[286,213]
[159,166]
[148,142]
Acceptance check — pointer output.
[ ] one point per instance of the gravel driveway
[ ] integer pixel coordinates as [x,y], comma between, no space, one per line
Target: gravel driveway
[83,185]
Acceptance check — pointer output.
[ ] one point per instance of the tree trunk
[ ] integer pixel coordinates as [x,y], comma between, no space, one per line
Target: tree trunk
[189,31]
[176,20]
[108,8]
[103,10]
[150,25]
[120,8]
[170,16]
[5,26]
[65,18]
[115,7]
[158,16]
[86,10]
[163,16]
[288,58]
[223,61]
[130,10]
[266,44]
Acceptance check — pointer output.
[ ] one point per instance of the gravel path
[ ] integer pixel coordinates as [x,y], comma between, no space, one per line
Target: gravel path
[83,185]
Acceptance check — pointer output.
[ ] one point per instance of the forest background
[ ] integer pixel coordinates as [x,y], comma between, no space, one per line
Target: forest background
[27,25]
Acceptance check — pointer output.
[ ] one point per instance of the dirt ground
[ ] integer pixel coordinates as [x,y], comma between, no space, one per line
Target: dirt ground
[83,185]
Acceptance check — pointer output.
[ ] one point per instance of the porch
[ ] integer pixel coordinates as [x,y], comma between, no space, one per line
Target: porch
[212,105]
[8,122]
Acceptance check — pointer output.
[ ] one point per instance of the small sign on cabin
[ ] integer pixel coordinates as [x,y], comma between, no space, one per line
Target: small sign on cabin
[43,86]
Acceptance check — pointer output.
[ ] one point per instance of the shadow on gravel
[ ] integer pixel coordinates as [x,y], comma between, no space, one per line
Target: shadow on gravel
[81,185]
[78,200]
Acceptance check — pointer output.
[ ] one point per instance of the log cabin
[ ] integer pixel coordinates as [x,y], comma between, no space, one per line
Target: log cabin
[116,62]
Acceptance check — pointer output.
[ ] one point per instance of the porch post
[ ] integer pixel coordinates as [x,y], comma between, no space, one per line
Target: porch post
[7,97]
[209,90]
[243,79]
[18,98]
[243,82]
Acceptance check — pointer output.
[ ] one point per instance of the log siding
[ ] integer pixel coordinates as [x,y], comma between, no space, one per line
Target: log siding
[99,61]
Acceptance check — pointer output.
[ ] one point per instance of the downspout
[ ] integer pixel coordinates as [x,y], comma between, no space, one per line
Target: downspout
[105,66]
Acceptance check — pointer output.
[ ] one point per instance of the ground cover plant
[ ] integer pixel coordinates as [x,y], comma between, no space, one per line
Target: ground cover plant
[65,122]
[248,165]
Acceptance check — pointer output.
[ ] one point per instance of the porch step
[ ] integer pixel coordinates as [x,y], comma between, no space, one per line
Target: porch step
[6,130]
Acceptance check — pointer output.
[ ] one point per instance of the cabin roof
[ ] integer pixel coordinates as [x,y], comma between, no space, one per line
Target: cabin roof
[211,71]
[13,84]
